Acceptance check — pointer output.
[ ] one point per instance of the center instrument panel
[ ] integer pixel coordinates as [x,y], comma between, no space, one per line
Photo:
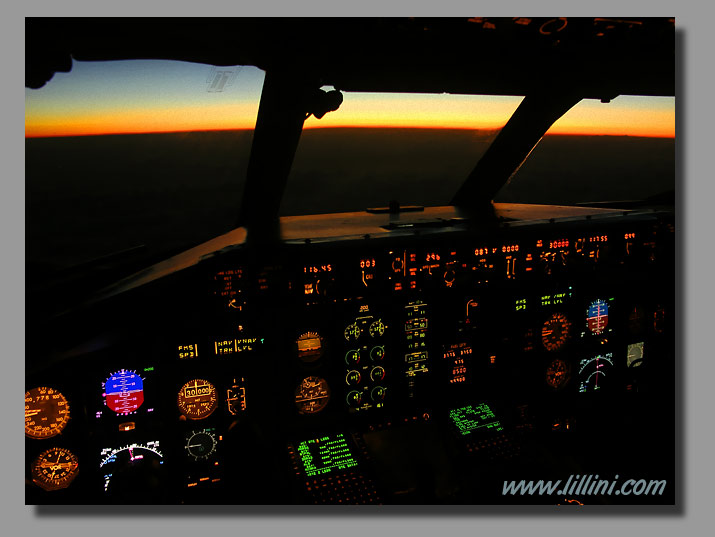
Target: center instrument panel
[421,368]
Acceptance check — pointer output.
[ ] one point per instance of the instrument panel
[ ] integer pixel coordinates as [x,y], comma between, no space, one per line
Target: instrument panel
[258,378]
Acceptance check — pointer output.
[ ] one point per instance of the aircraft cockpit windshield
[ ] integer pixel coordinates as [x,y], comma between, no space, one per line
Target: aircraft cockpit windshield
[278,273]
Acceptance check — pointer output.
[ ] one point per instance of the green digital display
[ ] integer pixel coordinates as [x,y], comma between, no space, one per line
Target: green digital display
[475,418]
[326,454]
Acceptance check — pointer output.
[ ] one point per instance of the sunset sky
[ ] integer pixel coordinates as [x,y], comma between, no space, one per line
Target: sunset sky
[163,96]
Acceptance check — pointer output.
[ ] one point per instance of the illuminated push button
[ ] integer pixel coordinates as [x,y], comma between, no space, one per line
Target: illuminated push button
[354,398]
[377,373]
[377,354]
[353,378]
[378,393]
[352,357]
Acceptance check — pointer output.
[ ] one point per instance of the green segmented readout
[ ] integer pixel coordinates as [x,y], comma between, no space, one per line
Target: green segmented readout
[475,417]
[325,454]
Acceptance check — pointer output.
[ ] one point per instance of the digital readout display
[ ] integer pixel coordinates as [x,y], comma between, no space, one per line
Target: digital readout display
[326,454]
[234,346]
[473,418]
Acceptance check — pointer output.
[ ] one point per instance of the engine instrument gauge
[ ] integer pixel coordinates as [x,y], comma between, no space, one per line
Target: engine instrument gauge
[597,316]
[201,444]
[312,395]
[352,357]
[353,378]
[124,392]
[592,372]
[377,353]
[377,374]
[197,399]
[558,373]
[377,328]
[555,332]
[377,394]
[46,412]
[352,332]
[310,347]
[55,468]
[354,398]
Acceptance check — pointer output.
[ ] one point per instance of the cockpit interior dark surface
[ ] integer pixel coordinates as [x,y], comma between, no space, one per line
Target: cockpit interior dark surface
[477,352]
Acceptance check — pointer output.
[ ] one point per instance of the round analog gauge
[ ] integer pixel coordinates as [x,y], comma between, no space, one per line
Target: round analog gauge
[197,399]
[55,468]
[597,316]
[312,395]
[352,332]
[555,332]
[310,347]
[377,353]
[377,394]
[558,373]
[352,357]
[353,378]
[377,373]
[354,398]
[46,412]
[377,328]
[201,444]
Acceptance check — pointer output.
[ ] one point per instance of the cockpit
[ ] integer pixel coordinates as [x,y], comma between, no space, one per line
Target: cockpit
[416,351]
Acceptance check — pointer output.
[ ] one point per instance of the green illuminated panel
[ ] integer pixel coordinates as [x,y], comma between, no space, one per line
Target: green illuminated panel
[559,298]
[475,417]
[323,455]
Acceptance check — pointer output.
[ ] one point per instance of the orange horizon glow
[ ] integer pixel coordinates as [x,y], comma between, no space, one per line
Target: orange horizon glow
[141,97]
[142,120]
[68,133]
[580,121]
